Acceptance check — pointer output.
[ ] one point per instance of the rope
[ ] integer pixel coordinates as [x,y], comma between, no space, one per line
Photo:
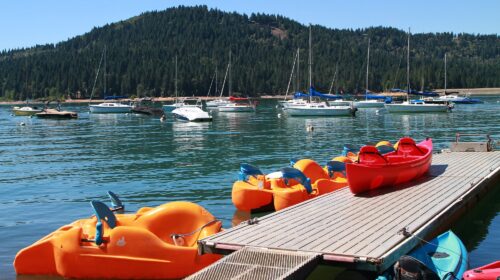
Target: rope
[177,235]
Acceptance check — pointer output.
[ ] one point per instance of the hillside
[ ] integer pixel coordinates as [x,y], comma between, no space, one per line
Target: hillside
[141,51]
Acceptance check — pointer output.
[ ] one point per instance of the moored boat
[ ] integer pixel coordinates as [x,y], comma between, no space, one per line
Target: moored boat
[487,272]
[26,111]
[374,170]
[192,114]
[256,192]
[443,258]
[153,243]
[110,108]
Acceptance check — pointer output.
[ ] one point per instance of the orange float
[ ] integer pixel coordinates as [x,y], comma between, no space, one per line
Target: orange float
[275,191]
[153,243]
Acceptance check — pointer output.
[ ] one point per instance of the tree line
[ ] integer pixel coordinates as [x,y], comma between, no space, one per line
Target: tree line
[140,55]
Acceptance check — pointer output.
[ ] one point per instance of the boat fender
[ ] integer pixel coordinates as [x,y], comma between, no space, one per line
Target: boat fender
[293,173]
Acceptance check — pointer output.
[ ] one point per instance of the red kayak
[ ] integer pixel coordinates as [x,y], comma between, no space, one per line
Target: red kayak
[488,272]
[374,170]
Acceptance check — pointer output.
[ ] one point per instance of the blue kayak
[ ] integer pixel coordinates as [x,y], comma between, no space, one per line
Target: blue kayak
[442,258]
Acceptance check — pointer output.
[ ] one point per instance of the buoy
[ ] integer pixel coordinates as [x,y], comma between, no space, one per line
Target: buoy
[279,115]
[310,128]
[22,124]
[163,118]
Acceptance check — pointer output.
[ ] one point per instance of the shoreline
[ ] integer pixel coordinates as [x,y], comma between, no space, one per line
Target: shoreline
[470,91]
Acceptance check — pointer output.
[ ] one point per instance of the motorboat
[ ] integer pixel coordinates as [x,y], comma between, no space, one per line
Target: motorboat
[25,110]
[192,114]
[146,106]
[110,107]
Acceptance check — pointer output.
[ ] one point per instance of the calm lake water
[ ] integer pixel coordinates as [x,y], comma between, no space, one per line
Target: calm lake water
[51,169]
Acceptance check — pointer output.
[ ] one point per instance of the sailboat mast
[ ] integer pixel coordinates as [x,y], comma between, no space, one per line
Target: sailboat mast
[310,64]
[230,83]
[298,69]
[367,67]
[105,86]
[408,67]
[445,74]
[175,76]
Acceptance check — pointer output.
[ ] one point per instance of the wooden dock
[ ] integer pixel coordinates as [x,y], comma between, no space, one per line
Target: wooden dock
[365,231]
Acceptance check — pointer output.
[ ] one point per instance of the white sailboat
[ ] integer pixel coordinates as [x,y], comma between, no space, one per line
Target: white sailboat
[177,103]
[233,104]
[368,103]
[415,106]
[107,107]
[317,108]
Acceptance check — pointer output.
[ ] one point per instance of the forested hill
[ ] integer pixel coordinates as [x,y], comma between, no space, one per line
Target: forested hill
[141,52]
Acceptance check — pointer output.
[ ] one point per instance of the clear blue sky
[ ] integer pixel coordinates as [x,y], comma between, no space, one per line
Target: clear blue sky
[24,23]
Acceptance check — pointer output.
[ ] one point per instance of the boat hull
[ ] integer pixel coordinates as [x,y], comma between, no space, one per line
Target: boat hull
[488,272]
[368,104]
[235,109]
[55,114]
[25,111]
[416,108]
[97,109]
[401,167]
[259,193]
[139,247]
[324,111]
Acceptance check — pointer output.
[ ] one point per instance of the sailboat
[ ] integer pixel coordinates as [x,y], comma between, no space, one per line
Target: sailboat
[107,107]
[317,108]
[371,101]
[297,100]
[414,106]
[233,104]
[454,97]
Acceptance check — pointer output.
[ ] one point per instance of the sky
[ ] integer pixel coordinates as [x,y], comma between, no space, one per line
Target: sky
[26,23]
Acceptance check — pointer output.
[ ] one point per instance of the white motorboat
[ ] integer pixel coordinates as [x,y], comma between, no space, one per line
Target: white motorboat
[192,114]
[26,111]
[110,107]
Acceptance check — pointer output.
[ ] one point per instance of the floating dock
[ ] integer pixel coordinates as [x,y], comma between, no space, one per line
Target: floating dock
[366,232]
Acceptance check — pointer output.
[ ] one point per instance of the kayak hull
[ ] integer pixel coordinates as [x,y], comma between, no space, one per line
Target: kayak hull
[398,168]
[488,272]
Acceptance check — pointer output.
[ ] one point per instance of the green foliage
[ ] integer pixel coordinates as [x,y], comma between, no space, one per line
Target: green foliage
[141,51]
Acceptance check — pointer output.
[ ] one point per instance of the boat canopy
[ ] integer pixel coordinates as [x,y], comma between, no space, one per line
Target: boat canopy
[299,94]
[316,93]
[234,98]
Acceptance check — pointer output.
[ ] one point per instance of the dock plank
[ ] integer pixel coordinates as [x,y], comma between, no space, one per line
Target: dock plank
[365,226]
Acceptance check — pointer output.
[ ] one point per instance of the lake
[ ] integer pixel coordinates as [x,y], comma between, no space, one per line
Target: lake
[51,169]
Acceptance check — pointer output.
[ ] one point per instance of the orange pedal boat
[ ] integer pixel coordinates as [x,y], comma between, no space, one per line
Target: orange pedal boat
[153,243]
[275,191]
